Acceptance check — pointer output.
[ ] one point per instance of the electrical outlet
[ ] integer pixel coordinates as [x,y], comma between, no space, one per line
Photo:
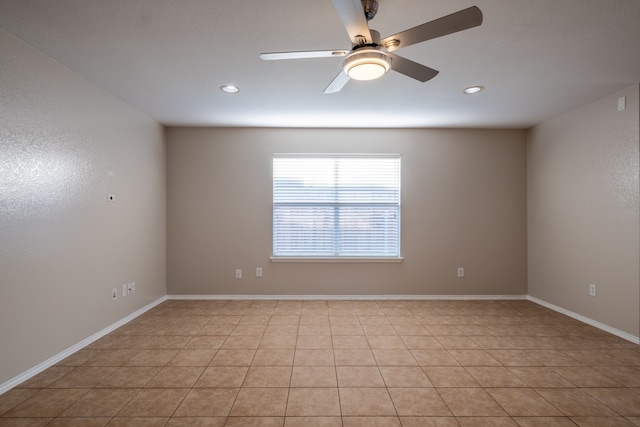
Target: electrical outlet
[238,273]
[129,288]
[460,271]
[114,293]
[133,287]
[124,290]
[258,271]
[592,290]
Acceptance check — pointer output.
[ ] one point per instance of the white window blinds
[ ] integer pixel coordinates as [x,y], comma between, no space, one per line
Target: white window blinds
[336,206]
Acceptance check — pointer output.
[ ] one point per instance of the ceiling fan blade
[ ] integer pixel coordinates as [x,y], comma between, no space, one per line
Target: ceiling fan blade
[272,56]
[338,83]
[412,69]
[354,21]
[462,20]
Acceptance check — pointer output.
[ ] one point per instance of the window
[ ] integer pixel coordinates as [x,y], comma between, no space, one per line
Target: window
[336,206]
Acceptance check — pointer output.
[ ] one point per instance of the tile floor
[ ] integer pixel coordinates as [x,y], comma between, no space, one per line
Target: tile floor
[340,363]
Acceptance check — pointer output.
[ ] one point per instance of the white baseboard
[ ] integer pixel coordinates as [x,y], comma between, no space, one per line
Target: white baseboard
[588,321]
[69,351]
[348,297]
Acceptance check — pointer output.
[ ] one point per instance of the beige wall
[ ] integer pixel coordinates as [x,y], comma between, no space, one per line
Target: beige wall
[64,145]
[463,205]
[583,211]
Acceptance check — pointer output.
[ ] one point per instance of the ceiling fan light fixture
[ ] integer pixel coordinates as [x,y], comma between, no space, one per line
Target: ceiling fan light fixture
[367,64]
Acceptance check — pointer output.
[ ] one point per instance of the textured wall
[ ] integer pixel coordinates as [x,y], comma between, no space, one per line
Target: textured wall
[583,211]
[64,145]
[463,205]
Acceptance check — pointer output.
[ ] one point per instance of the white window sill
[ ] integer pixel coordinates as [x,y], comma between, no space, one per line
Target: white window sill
[338,259]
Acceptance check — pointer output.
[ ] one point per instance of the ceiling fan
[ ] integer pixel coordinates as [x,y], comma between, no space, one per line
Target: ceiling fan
[371,57]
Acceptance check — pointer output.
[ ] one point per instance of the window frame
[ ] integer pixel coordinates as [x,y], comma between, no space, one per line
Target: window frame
[339,258]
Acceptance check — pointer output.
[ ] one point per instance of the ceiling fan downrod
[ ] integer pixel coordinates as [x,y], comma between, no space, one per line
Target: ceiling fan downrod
[370,8]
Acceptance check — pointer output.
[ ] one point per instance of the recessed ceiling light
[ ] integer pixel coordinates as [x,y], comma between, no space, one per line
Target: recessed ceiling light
[230,88]
[473,89]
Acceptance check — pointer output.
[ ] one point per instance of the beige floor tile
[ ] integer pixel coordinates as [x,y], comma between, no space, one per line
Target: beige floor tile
[314,376]
[130,377]
[176,377]
[343,329]
[242,342]
[314,329]
[260,402]
[268,376]
[347,357]
[385,421]
[474,358]
[197,422]
[602,421]
[154,403]
[359,376]
[100,403]
[404,376]
[540,377]
[233,358]
[624,401]
[351,319]
[452,342]
[152,358]
[249,329]
[546,422]
[467,402]
[84,377]
[370,361]
[574,402]
[223,329]
[373,320]
[366,402]
[443,330]
[313,402]
[450,376]
[46,403]
[411,330]
[254,422]
[523,402]
[79,422]
[486,422]
[269,357]
[222,376]
[314,342]
[313,357]
[434,358]
[429,422]
[354,342]
[13,397]
[419,402]
[386,342]
[278,329]
[138,422]
[394,358]
[515,358]
[495,377]
[45,378]
[628,376]
[584,376]
[209,402]
[313,422]
[278,342]
[192,358]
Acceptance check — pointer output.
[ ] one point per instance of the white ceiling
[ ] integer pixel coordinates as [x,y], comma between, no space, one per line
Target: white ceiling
[168,58]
